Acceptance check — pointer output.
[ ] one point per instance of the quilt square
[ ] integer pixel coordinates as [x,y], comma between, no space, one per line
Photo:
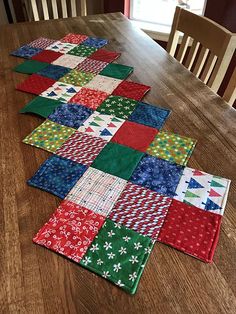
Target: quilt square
[74,38]
[105,55]
[117,160]
[141,210]
[77,78]
[26,52]
[61,91]
[103,83]
[95,42]
[70,230]
[47,56]
[119,71]
[30,67]
[35,84]
[82,51]
[97,191]
[172,147]
[131,90]
[41,42]
[119,255]
[57,175]
[61,47]
[68,61]
[41,106]
[135,135]
[89,97]
[92,66]
[82,148]
[101,125]
[203,190]
[49,136]
[150,115]
[70,115]
[118,106]
[191,230]
[54,71]
[158,175]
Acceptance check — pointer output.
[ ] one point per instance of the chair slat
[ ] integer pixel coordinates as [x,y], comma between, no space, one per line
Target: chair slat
[192,54]
[230,92]
[54,9]
[208,68]
[64,9]
[45,10]
[183,48]
[35,10]
[200,61]
[73,8]
[83,5]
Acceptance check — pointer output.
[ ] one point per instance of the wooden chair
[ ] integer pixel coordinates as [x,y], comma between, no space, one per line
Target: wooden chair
[35,6]
[212,46]
[230,92]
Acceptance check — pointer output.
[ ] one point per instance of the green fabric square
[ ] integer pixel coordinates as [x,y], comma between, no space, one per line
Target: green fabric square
[118,106]
[119,255]
[30,67]
[82,51]
[172,147]
[49,136]
[77,78]
[118,71]
[118,160]
[41,106]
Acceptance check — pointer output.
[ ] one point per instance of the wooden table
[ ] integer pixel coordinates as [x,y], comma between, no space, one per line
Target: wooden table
[35,280]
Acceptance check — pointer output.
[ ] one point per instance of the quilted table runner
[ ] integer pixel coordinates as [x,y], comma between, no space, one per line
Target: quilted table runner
[124,182]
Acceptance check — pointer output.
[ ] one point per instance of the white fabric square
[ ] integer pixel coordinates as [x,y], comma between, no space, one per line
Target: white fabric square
[68,61]
[61,91]
[58,46]
[103,83]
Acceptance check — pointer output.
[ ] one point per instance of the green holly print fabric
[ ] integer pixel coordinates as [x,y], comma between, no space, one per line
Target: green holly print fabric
[30,67]
[118,106]
[119,255]
[119,71]
[49,136]
[82,51]
[77,78]
[172,147]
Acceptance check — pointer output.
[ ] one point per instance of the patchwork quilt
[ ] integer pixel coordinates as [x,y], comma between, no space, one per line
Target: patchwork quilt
[123,181]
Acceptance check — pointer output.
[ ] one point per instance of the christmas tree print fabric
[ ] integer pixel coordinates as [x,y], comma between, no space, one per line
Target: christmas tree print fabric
[61,47]
[57,175]
[203,190]
[70,230]
[119,255]
[172,147]
[49,136]
[89,97]
[61,91]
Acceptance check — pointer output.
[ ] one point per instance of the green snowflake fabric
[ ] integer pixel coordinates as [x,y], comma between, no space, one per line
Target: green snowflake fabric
[30,66]
[82,51]
[118,106]
[77,78]
[119,255]
[119,71]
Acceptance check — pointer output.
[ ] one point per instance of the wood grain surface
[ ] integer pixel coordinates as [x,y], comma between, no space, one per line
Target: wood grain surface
[36,280]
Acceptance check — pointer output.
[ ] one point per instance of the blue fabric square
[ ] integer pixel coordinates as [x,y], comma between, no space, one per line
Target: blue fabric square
[54,71]
[71,115]
[150,115]
[26,52]
[95,42]
[158,175]
[57,175]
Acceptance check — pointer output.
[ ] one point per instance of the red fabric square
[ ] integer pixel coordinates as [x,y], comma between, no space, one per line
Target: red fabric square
[74,38]
[35,84]
[89,97]
[47,56]
[135,135]
[92,66]
[131,90]
[105,55]
[70,230]
[191,230]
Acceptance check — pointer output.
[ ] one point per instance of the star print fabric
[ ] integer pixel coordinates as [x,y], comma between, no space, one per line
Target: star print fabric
[119,255]
[26,52]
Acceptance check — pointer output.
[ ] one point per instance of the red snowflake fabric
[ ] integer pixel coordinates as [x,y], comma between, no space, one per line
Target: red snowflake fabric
[74,38]
[92,66]
[47,56]
[105,55]
[35,84]
[70,230]
[131,90]
[135,135]
[89,97]
[82,148]
[191,230]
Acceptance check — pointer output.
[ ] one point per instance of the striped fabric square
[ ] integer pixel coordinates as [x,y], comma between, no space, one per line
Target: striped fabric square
[92,66]
[42,42]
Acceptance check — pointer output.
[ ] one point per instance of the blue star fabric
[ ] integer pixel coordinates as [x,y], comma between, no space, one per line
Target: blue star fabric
[54,71]
[26,52]
[71,115]
[95,42]
[150,115]
[158,175]
[57,175]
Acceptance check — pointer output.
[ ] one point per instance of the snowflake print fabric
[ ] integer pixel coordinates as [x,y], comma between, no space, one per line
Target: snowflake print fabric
[26,52]
[74,38]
